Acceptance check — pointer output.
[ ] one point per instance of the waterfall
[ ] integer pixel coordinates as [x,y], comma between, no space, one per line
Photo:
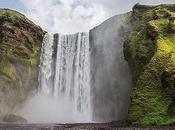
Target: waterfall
[83,77]
[66,75]
[45,73]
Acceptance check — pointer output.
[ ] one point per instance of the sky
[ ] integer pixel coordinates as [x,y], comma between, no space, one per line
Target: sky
[71,16]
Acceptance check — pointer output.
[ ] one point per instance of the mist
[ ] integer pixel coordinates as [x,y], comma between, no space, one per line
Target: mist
[40,108]
[110,79]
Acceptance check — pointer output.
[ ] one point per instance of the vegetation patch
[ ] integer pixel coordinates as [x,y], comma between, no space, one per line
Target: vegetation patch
[20,44]
[149,50]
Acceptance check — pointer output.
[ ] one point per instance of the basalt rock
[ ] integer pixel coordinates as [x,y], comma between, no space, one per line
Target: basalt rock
[11,118]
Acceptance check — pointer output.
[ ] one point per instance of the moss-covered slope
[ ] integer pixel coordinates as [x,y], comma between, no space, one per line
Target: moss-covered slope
[20,43]
[150,52]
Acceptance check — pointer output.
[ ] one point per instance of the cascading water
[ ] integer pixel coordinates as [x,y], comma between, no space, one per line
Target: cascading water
[83,77]
[46,70]
[69,78]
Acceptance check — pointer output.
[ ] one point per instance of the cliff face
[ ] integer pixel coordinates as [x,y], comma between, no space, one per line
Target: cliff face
[110,72]
[20,43]
[150,52]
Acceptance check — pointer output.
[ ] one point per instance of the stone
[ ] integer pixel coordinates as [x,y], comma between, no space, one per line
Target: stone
[12,118]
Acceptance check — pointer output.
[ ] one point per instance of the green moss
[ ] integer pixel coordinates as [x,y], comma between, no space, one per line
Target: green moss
[150,53]
[20,44]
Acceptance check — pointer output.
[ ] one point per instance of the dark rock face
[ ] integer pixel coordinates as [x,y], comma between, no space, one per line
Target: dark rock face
[20,44]
[14,119]
[172,24]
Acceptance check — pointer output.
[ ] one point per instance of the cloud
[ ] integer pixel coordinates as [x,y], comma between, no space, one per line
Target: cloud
[65,16]
[70,16]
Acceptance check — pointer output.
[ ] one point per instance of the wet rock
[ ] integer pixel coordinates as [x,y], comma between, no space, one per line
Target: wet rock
[11,118]
[151,31]
[172,24]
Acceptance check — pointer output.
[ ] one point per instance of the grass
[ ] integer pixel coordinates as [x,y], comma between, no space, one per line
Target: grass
[150,53]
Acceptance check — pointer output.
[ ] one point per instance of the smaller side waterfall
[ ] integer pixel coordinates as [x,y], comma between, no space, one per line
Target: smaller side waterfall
[67,76]
[46,69]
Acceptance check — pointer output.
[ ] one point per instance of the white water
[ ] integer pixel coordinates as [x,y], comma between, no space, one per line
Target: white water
[66,81]
[46,70]
[72,78]
[68,92]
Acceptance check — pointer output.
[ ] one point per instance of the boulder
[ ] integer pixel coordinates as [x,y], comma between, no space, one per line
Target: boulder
[12,118]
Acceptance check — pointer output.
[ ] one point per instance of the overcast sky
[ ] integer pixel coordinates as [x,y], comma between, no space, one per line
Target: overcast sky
[70,16]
